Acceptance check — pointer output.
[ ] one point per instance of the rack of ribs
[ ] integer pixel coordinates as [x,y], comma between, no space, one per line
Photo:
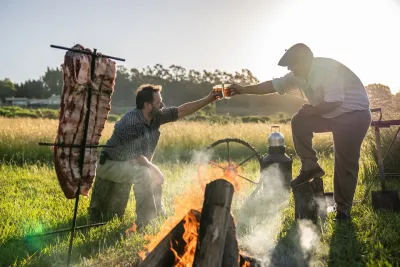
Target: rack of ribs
[73,108]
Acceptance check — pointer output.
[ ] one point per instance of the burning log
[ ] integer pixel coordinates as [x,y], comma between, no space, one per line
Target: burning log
[310,200]
[246,261]
[231,249]
[172,245]
[214,223]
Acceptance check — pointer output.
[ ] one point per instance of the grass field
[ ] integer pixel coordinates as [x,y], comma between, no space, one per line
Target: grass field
[32,202]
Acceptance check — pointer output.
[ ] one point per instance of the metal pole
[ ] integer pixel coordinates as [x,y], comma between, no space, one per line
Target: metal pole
[68,230]
[73,225]
[380,159]
[64,145]
[83,147]
[86,52]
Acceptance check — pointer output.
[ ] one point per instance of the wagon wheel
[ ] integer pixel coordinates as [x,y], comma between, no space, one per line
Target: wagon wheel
[231,155]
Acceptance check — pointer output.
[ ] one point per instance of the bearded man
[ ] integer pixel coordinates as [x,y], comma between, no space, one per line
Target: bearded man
[127,158]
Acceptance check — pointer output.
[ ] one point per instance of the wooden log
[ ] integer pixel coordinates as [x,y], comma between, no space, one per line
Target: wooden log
[310,201]
[108,199]
[162,255]
[231,248]
[214,221]
[118,199]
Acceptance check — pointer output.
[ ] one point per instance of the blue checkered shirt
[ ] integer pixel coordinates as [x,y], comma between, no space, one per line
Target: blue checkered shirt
[133,136]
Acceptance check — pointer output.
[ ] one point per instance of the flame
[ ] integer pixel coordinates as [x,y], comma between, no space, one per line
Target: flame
[246,264]
[191,199]
[190,236]
[131,229]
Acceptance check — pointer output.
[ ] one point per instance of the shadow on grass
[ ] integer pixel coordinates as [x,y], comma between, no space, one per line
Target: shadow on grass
[288,251]
[301,245]
[345,248]
[41,250]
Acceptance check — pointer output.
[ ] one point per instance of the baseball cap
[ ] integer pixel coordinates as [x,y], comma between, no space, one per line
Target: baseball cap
[296,52]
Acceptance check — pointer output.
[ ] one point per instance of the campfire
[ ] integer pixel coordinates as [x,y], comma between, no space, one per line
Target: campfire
[197,233]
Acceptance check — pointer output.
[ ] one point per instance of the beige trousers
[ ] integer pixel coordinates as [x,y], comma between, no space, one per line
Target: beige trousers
[149,202]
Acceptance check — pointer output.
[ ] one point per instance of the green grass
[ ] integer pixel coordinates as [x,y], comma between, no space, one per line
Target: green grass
[32,202]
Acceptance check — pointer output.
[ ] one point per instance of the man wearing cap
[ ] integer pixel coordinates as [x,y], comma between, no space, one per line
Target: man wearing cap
[338,103]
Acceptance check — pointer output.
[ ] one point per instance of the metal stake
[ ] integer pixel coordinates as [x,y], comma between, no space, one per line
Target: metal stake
[82,154]
[83,145]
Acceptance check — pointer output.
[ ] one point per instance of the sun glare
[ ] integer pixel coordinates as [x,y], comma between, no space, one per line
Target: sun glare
[360,34]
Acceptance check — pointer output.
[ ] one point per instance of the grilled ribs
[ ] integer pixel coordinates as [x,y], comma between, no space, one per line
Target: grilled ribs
[73,108]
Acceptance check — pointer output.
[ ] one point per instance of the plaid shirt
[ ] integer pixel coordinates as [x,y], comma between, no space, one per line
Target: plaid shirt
[133,136]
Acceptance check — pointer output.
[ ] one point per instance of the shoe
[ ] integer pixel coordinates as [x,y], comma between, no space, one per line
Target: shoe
[306,176]
[341,217]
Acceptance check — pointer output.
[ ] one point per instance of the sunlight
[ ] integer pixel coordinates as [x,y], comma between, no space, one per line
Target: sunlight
[360,34]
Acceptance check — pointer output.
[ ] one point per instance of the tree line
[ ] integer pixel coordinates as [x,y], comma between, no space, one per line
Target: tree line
[179,85]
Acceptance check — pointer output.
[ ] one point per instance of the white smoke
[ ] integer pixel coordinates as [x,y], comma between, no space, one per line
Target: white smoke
[259,222]
[308,237]
[310,244]
[189,174]
[201,157]
[262,223]
[260,219]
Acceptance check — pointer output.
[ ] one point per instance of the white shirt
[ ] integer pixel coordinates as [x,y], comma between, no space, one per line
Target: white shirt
[328,81]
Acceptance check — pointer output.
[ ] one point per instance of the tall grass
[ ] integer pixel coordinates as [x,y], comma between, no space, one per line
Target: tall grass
[32,201]
[19,138]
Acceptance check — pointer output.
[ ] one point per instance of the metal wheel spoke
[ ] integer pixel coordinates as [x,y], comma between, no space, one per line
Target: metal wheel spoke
[247,179]
[231,165]
[246,160]
[215,164]
[229,154]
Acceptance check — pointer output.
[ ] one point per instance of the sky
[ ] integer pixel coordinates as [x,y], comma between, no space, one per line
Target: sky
[228,35]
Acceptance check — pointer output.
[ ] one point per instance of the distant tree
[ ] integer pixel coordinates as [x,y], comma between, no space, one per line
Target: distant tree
[7,89]
[178,73]
[396,101]
[123,89]
[381,96]
[179,85]
[379,92]
[31,89]
[53,81]
[195,77]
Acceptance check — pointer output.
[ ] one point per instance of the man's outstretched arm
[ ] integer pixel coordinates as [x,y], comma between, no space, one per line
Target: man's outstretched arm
[191,107]
[280,85]
[263,88]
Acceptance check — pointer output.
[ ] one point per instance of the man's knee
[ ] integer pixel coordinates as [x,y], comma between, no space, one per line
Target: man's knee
[297,122]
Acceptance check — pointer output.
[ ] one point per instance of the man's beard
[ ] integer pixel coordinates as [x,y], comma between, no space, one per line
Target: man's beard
[155,112]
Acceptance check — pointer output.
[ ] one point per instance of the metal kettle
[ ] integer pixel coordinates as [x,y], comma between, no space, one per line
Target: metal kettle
[276,138]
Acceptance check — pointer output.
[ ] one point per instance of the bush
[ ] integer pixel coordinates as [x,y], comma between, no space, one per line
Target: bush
[250,119]
[43,113]
[19,112]
[113,118]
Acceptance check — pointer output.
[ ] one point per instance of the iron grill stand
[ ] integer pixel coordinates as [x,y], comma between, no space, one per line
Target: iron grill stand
[83,145]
